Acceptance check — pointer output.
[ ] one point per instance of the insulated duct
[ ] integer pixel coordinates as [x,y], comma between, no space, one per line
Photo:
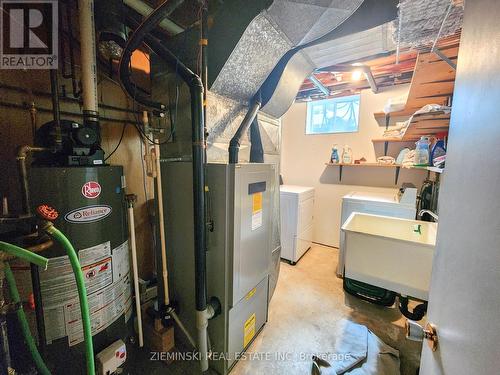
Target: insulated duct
[286,24]
[282,84]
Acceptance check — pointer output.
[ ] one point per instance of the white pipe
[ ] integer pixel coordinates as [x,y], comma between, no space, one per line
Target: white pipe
[135,272]
[183,328]
[162,225]
[145,10]
[202,327]
[88,55]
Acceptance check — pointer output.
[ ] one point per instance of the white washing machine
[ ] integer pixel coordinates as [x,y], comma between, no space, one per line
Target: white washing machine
[296,206]
[401,204]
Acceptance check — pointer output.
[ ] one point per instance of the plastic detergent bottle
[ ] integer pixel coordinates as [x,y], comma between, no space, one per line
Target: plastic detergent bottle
[347,155]
[422,152]
[334,158]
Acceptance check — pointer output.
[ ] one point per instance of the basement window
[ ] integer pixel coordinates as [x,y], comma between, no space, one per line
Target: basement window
[336,115]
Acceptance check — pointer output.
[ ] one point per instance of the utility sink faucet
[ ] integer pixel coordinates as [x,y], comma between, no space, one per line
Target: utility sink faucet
[422,212]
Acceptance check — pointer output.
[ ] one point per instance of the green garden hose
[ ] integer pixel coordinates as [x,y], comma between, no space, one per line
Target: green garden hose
[23,322]
[24,254]
[57,235]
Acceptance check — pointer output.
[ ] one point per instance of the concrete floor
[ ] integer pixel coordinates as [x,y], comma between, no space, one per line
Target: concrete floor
[304,313]
[304,319]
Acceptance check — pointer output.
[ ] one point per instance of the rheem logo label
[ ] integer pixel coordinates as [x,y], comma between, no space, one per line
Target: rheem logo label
[91,189]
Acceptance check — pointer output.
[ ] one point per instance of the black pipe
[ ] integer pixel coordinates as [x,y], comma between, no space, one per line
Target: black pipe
[54,88]
[235,143]
[134,42]
[37,296]
[67,99]
[198,154]
[204,59]
[66,113]
[256,148]
[198,138]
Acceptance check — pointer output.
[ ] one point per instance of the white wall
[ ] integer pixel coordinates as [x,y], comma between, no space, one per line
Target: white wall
[303,159]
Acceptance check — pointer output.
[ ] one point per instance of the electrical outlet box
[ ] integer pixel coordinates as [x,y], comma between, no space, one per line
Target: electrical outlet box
[111,358]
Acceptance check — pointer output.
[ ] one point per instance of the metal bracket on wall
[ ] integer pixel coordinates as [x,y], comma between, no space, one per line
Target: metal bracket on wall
[443,57]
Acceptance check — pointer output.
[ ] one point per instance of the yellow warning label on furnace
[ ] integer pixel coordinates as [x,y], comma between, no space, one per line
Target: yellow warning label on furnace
[250,294]
[256,210]
[249,330]
[257,202]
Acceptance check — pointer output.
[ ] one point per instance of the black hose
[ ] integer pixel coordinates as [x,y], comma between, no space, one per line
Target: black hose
[134,42]
[418,312]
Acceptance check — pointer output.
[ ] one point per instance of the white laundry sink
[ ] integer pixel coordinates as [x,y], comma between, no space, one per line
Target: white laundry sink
[391,253]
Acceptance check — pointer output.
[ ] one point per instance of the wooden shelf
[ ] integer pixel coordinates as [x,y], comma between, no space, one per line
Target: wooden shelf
[429,123]
[431,169]
[363,165]
[380,165]
[433,82]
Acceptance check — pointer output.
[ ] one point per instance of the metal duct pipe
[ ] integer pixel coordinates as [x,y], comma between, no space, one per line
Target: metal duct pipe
[145,10]
[235,143]
[88,62]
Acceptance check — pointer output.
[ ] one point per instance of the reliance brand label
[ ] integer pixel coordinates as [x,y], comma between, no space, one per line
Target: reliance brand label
[88,214]
[91,189]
